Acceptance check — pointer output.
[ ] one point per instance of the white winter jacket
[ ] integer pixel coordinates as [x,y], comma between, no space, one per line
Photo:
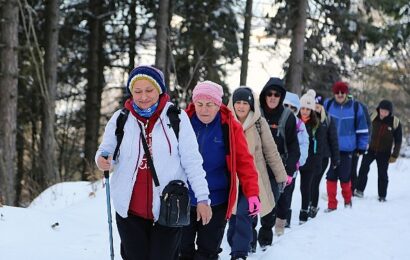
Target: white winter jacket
[173,159]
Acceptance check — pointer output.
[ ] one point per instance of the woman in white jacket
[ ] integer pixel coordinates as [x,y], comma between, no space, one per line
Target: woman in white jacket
[136,199]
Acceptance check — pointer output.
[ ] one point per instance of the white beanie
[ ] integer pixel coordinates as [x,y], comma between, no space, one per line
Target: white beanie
[308,100]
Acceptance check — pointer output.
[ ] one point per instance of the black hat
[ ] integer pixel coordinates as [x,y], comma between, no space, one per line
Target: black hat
[244,94]
[386,104]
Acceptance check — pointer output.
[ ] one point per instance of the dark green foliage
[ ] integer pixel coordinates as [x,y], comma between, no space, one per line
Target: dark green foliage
[203,42]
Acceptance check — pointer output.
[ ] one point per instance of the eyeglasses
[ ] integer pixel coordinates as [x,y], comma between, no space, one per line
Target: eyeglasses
[294,109]
[340,93]
[275,94]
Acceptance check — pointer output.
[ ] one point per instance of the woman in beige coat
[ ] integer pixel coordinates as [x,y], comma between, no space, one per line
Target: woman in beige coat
[262,146]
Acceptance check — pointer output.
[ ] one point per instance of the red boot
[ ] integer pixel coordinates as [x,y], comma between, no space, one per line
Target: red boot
[331,194]
[347,193]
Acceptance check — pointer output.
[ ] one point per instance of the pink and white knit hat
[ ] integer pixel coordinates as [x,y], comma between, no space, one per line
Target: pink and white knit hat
[208,90]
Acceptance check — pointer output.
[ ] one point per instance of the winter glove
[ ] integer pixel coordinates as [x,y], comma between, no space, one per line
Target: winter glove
[335,164]
[254,205]
[289,181]
[392,159]
[281,186]
[360,152]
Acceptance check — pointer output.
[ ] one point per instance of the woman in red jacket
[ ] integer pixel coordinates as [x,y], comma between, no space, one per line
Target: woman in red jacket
[224,149]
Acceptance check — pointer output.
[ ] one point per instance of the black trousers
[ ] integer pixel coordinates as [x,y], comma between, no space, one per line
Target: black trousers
[281,210]
[353,174]
[314,195]
[145,240]
[208,238]
[382,160]
[306,178]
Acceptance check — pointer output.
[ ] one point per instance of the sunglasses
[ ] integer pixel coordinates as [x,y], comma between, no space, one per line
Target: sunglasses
[294,109]
[340,93]
[275,94]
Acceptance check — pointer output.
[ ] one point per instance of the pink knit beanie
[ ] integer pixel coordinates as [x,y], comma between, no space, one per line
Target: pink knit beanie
[208,90]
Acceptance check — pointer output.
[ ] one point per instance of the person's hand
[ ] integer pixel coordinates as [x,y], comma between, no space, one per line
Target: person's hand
[360,152]
[204,212]
[392,159]
[281,186]
[335,164]
[289,180]
[254,205]
[104,164]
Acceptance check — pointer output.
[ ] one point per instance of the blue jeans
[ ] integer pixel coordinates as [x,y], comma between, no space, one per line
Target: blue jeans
[240,234]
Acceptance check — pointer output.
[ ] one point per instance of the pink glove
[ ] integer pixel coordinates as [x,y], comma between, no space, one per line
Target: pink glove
[254,205]
[289,181]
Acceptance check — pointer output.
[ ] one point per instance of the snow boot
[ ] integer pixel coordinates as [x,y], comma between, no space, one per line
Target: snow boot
[313,211]
[358,193]
[328,210]
[280,226]
[348,205]
[303,216]
[382,199]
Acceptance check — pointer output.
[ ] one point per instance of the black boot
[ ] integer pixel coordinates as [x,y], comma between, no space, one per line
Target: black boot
[313,211]
[303,216]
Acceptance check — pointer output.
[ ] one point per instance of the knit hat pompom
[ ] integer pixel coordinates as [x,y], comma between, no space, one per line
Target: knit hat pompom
[145,72]
[308,100]
[244,94]
[208,90]
[340,86]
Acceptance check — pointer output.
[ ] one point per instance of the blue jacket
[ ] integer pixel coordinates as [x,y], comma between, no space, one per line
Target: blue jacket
[351,135]
[212,148]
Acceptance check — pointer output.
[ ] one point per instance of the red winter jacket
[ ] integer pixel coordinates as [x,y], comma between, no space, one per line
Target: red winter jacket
[239,161]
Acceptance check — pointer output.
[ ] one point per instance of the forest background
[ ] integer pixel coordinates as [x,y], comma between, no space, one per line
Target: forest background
[63,66]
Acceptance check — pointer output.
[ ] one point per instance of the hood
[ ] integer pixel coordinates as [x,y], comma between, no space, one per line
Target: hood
[293,100]
[272,84]
[253,116]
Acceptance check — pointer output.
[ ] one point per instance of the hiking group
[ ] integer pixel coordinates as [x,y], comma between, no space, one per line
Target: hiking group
[237,162]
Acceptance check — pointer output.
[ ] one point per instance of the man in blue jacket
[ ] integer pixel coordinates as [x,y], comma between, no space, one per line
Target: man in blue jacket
[353,135]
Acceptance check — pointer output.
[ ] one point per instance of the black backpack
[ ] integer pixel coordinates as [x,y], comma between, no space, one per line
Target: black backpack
[172,113]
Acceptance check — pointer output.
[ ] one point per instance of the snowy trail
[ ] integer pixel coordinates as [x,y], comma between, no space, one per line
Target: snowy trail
[370,230]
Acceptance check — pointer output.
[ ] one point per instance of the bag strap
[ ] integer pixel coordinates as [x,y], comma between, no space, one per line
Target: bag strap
[149,158]
[258,125]
[173,115]
[119,131]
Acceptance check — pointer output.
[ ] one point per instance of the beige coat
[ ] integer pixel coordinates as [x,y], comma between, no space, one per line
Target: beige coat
[262,147]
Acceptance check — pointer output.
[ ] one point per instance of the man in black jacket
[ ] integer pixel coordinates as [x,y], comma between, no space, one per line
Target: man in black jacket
[282,123]
[386,133]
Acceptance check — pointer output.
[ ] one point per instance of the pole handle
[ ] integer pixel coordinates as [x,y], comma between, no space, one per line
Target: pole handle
[105,155]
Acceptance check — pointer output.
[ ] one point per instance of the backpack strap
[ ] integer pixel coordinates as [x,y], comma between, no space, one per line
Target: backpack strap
[329,103]
[281,127]
[258,126]
[173,115]
[119,131]
[396,122]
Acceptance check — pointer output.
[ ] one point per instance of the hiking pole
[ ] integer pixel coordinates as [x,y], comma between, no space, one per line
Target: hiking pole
[105,155]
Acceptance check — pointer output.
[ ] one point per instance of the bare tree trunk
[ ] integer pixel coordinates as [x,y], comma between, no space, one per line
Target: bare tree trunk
[132,30]
[95,76]
[48,164]
[295,72]
[162,35]
[246,39]
[9,19]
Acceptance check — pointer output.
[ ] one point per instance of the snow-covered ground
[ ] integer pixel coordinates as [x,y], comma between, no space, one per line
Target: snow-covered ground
[69,221]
